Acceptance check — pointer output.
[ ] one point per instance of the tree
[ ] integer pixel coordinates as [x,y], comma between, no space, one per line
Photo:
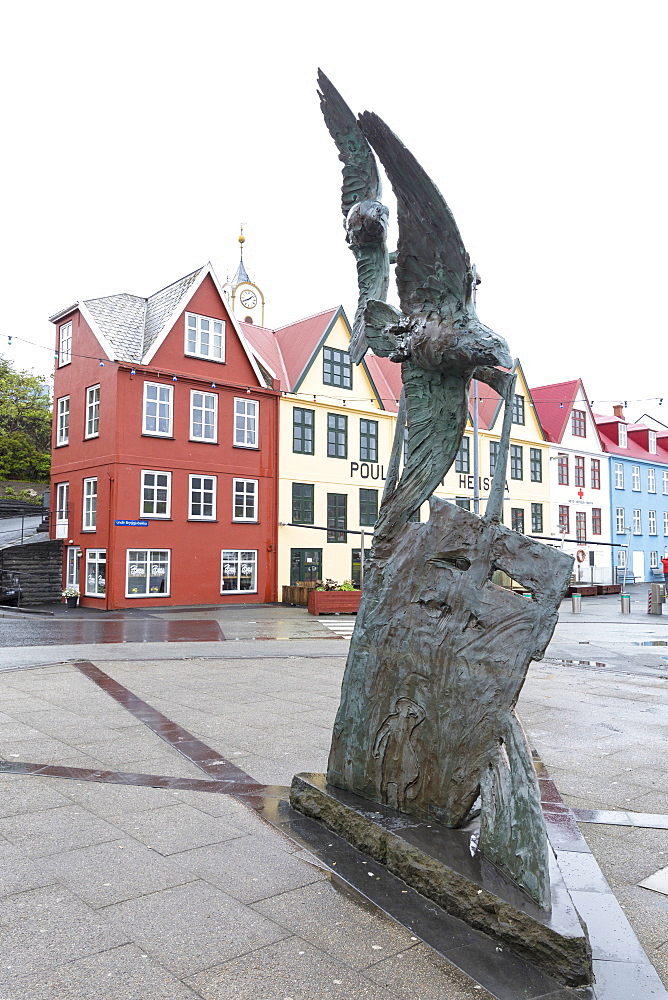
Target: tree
[25,424]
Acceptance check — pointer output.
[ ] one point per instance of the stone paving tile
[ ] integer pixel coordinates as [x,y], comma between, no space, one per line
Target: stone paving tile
[113,872]
[45,927]
[123,973]
[419,973]
[336,924]
[193,927]
[178,827]
[289,970]
[651,802]
[25,795]
[109,801]
[250,868]
[19,873]
[52,830]
[650,913]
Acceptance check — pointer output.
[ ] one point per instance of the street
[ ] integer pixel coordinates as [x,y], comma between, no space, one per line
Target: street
[140,880]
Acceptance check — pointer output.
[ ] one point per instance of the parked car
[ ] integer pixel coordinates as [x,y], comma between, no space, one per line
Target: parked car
[10,589]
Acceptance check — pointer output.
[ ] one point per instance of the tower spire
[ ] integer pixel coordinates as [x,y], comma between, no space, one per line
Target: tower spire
[241,273]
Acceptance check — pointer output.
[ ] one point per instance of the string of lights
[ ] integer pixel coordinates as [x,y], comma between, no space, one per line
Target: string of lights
[307,395]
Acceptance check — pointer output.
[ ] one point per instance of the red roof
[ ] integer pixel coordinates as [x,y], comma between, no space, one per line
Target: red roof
[288,350]
[554,404]
[637,436]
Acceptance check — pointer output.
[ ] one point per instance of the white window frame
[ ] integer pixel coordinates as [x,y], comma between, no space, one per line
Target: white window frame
[651,518]
[151,557]
[89,504]
[651,442]
[201,490]
[619,520]
[246,410]
[654,560]
[155,486]
[65,344]
[62,509]
[212,437]
[622,558]
[622,436]
[665,522]
[169,402]
[635,478]
[665,482]
[72,566]
[63,424]
[651,481]
[96,558]
[241,492]
[92,429]
[194,332]
[238,556]
[637,521]
[619,476]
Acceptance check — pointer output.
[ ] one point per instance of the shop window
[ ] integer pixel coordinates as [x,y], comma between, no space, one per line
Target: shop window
[96,572]
[238,571]
[147,573]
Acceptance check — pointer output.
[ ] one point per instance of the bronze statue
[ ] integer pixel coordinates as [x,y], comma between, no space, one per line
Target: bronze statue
[439,654]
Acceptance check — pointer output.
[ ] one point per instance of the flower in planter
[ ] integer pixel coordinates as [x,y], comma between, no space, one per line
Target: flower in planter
[70,592]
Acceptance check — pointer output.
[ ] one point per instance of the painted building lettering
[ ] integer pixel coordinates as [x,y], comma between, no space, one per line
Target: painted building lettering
[367,470]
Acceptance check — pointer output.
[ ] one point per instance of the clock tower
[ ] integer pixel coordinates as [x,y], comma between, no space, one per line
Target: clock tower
[245,296]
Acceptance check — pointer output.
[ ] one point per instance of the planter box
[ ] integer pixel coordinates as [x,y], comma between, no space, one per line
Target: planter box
[297,593]
[329,602]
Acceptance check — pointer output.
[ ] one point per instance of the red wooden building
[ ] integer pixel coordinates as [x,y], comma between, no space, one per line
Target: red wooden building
[164,474]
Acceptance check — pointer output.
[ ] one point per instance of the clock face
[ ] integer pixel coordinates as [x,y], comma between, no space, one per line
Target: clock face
[248,299]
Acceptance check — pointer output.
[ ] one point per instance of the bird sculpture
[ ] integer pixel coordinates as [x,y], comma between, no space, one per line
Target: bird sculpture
[364,215]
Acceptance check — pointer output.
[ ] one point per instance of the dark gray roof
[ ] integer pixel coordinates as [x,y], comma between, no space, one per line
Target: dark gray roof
[131,323]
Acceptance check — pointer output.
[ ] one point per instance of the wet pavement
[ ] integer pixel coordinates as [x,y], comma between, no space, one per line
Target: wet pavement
[122,844]
[31,631]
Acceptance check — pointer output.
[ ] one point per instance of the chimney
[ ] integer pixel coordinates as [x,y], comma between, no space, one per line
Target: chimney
[618,410]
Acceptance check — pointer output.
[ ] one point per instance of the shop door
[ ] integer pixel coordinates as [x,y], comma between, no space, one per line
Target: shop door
[305,565]
[639,566]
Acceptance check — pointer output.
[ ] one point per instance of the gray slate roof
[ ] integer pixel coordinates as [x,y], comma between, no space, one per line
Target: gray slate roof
[131,323]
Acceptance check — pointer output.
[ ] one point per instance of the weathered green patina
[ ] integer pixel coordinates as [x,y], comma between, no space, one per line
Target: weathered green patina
[426,723]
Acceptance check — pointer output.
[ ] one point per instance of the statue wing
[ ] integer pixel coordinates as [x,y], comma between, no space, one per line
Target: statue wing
[361,180]
[433,268]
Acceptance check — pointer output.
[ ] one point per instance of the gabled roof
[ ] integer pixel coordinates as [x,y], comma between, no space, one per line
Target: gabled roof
[132,328]
[554,404]
[290,351]
[637,437]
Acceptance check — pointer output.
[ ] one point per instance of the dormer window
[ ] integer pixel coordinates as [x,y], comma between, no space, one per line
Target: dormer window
[337,368]
[651,444]
[622,440]
[579,423]
[205,337]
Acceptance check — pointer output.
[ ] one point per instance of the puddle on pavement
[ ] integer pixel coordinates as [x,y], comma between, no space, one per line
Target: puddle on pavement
[653,642]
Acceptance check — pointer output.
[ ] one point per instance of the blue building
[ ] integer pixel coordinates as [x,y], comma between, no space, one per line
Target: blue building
[638,494]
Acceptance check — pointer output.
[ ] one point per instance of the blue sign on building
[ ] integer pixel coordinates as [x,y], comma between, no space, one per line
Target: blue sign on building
[131,524]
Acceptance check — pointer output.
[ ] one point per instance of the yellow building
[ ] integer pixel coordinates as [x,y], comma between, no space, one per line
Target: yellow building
[336,428]
[527,496]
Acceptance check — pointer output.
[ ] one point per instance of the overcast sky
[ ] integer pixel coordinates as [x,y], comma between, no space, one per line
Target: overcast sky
[138,136]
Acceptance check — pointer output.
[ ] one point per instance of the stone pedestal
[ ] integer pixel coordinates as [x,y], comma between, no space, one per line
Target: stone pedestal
[443,865]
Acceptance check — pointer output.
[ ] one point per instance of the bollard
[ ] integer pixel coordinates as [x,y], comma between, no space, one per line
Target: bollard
[655,606]
[576,603]
[626,603]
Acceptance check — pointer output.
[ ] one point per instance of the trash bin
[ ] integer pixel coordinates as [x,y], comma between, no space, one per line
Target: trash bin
[576,602]
[626,604]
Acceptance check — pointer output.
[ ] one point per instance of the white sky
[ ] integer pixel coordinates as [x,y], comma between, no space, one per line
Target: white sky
[139,135]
